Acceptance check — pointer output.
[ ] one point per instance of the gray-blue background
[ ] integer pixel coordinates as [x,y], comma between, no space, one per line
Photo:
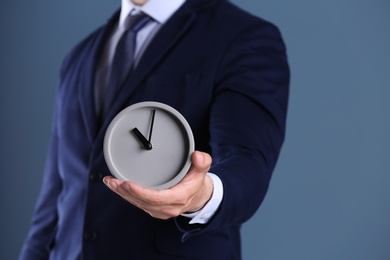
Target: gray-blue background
[329,197]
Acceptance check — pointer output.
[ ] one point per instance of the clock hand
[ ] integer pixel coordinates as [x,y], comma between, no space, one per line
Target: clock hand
[141,138]
[151,125]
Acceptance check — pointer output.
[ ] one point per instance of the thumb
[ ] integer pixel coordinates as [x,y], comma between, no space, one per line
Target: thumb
[201,162]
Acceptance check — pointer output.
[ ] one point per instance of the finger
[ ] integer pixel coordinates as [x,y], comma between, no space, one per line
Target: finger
[111,182]
[137,194]
[157,203]
[149,196]
[119,188]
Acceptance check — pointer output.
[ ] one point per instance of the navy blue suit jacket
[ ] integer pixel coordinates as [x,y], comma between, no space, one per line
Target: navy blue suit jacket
[226,71]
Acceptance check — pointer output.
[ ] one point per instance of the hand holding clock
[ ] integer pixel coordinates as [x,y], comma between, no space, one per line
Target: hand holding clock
[189,195]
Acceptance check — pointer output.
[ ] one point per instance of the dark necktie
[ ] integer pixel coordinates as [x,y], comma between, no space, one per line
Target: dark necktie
[124,57]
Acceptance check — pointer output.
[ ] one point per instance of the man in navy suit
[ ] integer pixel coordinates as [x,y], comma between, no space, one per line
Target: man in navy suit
[226,71]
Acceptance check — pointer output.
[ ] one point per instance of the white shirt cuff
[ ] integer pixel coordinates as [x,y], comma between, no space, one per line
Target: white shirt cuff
[207,212]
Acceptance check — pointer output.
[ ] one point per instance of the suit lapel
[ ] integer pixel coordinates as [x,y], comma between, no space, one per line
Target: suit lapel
[87,72]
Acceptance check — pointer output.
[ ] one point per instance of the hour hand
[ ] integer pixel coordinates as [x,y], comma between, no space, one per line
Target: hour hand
[141,138]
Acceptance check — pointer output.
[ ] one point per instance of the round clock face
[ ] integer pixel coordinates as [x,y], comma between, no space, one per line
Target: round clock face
[149,143]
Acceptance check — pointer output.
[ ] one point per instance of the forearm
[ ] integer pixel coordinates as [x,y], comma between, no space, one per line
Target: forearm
[247,123]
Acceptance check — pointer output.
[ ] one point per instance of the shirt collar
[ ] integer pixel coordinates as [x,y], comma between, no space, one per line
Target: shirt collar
[159,10]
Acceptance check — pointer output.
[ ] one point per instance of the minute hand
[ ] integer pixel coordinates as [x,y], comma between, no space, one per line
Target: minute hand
[151,125]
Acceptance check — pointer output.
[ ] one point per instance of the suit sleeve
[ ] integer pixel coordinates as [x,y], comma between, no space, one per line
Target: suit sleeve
[247,123]
[44,221]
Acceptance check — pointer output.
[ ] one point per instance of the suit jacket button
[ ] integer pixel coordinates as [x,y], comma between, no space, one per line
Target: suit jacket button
[96,177]
[90,235]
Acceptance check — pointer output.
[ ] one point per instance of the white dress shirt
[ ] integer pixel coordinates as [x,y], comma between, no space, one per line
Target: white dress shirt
[160,11]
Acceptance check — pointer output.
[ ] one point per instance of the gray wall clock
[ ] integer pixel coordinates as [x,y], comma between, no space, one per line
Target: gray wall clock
[149,143]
